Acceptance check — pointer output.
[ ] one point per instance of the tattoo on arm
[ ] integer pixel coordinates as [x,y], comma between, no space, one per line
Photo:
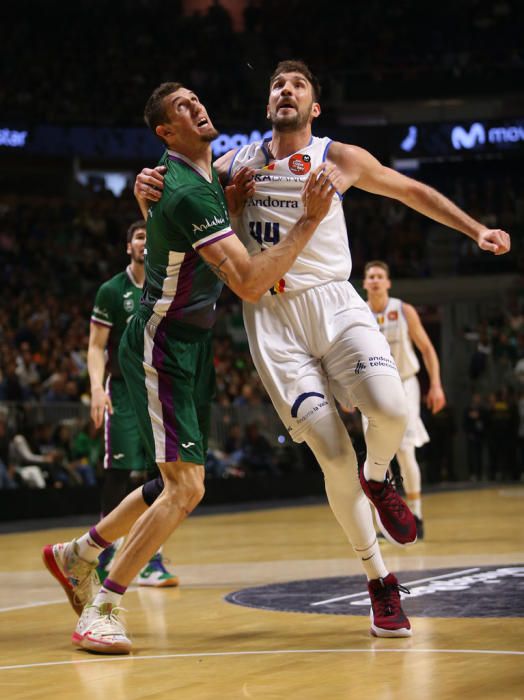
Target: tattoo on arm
[218,272]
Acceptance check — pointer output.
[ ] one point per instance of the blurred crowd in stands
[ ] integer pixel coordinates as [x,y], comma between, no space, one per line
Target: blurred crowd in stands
[371,51]
[493,421]
[73,243]
[55,250]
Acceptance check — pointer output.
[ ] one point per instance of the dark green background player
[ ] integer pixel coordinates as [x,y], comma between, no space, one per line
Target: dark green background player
[116,301]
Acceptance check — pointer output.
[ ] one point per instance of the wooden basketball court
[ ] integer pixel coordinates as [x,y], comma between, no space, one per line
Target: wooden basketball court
[190,643]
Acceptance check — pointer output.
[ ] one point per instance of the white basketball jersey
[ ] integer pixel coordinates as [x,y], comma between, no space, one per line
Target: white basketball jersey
[277,205]
[393,324]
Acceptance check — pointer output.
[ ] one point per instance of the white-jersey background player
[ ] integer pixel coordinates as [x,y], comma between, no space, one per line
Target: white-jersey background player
[312,337]
[401,326]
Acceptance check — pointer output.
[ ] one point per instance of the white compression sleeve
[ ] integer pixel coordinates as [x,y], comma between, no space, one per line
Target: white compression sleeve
[331,445]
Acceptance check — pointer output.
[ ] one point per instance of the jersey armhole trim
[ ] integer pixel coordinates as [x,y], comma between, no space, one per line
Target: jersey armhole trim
[264,150]
[231,165]
[213,238]
[324,156]
[98,322]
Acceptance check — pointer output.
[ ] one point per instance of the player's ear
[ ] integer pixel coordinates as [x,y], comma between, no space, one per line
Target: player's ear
[163,131]
[315,110]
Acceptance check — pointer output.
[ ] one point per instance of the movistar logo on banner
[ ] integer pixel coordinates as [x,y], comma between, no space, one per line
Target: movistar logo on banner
[460,138]
[478,135]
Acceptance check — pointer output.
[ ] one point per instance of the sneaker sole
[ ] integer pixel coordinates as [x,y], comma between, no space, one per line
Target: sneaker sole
[98,647]
[50,562]
[386,534]
[380,632]
[168,583]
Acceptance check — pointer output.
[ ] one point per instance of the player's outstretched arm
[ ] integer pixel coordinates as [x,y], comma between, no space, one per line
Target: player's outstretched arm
[364,171]
[251,276]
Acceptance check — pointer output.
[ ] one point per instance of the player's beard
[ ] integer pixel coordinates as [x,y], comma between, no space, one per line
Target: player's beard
[138,258]
[291,123]
[210,136]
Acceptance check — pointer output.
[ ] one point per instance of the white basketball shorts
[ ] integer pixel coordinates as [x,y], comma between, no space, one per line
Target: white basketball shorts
[313,346]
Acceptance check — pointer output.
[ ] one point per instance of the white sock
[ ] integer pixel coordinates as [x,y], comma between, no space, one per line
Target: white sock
[104,596]
[88,547]
[415,506]
[372,561]
[375,472]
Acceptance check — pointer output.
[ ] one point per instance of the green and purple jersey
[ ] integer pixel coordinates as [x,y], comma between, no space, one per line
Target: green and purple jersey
[191,214]
[115,302]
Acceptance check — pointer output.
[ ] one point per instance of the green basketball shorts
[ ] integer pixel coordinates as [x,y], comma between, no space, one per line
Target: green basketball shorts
[168,368]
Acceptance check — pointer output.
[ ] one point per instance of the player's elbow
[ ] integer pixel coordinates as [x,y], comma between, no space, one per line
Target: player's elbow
[416,193]
[249,293]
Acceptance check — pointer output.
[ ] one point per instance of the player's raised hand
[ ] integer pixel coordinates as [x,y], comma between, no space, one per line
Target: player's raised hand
[149,183]
[239,189]
[319,190]
[494,240]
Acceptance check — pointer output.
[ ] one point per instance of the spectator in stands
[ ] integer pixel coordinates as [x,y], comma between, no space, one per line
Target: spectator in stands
[29,462]
[10,387]
[258,454]
[78,467]
[502,431]
[442,428]
[86,452]
[474,424]
[8,475]
[26,371]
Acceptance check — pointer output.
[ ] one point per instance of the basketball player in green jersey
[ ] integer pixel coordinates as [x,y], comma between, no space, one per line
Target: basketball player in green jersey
[166,355]
[116,301]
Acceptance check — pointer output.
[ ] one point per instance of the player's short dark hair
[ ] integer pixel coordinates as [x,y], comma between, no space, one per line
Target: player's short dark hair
[293,66]
[134,227]
[376,263]
[155,110]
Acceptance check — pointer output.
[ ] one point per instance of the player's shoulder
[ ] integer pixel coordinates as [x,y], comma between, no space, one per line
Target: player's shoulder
[254,153]
[408,310]
[113,282]
[339,152]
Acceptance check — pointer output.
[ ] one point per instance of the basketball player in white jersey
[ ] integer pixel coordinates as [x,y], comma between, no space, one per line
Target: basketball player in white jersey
[312,337]
[401,326]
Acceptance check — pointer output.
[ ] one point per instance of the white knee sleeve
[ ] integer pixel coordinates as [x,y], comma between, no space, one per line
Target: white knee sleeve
[409,469]
[383,401]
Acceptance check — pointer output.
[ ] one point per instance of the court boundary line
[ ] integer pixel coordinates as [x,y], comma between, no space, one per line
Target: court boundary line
[259,652]
[37,604]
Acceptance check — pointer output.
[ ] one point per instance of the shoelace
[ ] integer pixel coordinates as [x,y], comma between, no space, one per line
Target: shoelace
[107,623]
[388,598]
[390,496]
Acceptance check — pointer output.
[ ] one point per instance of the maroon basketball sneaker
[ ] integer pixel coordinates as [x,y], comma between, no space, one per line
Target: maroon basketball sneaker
[394,518]
[387,617]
